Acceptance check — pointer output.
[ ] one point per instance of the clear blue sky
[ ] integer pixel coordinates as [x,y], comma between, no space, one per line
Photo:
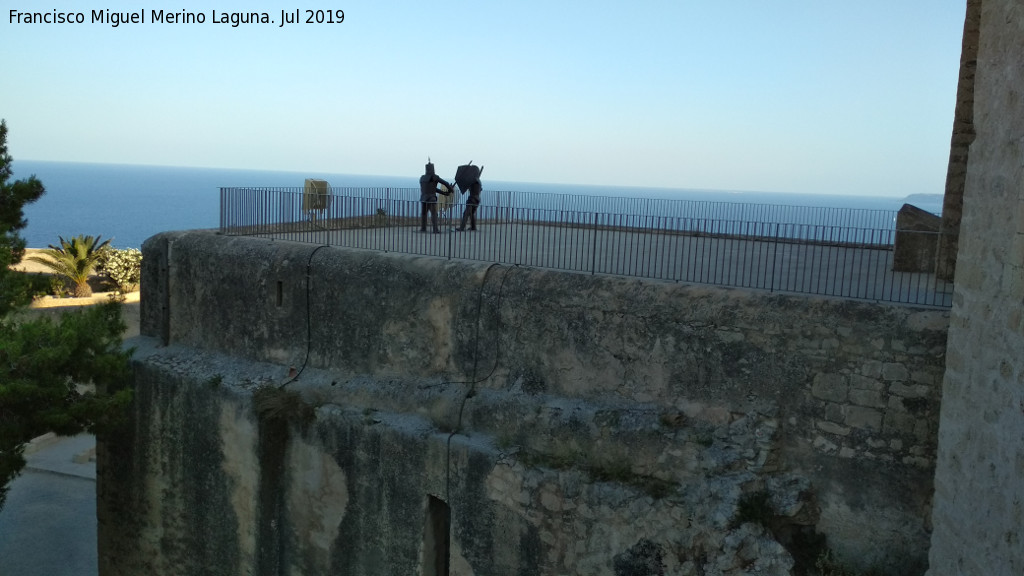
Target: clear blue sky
[806,96]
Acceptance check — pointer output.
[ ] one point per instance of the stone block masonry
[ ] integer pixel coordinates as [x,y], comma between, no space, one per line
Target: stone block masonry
[960,145]
[979,481]
[556,422]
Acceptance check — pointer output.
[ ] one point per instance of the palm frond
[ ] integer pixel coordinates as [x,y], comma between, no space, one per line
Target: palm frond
[76,259]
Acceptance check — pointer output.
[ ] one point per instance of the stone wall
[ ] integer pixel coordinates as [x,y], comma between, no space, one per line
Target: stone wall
[979,494]
[916,242]
[316,409]
[959,148]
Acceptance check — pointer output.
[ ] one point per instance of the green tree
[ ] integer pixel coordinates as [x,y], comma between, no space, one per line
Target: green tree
[67,375]
[13,196]
[75,259]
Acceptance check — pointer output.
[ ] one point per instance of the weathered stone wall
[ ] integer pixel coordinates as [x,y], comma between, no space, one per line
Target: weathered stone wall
[979,492]
[916,241]
[571,423]
[959,147]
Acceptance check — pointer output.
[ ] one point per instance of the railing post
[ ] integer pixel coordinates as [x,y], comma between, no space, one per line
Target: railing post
[510,234]
[448,228]
[593,251]
[775,258]
[386,220]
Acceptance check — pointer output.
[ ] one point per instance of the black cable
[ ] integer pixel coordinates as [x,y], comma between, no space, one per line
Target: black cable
[476,352]
[309,322]
[476,334]
[476,359]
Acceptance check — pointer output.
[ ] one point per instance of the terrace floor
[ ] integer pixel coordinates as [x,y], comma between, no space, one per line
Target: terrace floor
[859,271]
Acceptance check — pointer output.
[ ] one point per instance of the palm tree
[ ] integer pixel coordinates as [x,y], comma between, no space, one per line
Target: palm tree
[76,260]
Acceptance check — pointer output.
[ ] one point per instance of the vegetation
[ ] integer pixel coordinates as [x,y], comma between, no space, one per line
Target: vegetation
[810,551]
[14,290]
[123,267]
[826,565]
[76,260]
[280,405]
[35,285]
[65,376]
[754,507]
[605,465]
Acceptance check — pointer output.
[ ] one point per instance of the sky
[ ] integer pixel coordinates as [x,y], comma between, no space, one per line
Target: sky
[803,96]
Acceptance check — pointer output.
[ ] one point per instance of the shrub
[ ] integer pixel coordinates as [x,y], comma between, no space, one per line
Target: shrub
[57,287]
[753,507]
[39,285]
[76,259]
[123,267]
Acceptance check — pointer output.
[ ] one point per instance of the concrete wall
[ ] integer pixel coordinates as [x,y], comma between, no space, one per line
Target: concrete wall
[979,498]
[570,423]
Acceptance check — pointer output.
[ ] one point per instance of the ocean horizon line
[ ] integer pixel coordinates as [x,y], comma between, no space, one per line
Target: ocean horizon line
[411,181]
[131,202]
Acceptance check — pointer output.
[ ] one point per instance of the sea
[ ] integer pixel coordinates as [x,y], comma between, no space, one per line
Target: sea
[129,203]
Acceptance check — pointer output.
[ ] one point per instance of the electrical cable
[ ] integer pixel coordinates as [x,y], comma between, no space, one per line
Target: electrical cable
[309,321]
[476,359]
[476,351]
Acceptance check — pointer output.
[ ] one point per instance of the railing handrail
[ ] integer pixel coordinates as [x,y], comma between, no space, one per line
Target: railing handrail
[800,257]
[663,206]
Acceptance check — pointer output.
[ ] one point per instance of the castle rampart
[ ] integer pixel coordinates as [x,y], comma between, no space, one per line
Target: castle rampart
[323,409]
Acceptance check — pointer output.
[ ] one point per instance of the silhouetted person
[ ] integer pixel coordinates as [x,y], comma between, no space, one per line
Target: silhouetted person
[428,196]
[468,178]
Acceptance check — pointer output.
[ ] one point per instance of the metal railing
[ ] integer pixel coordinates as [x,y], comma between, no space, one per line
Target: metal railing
[677,208]
[824,259]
